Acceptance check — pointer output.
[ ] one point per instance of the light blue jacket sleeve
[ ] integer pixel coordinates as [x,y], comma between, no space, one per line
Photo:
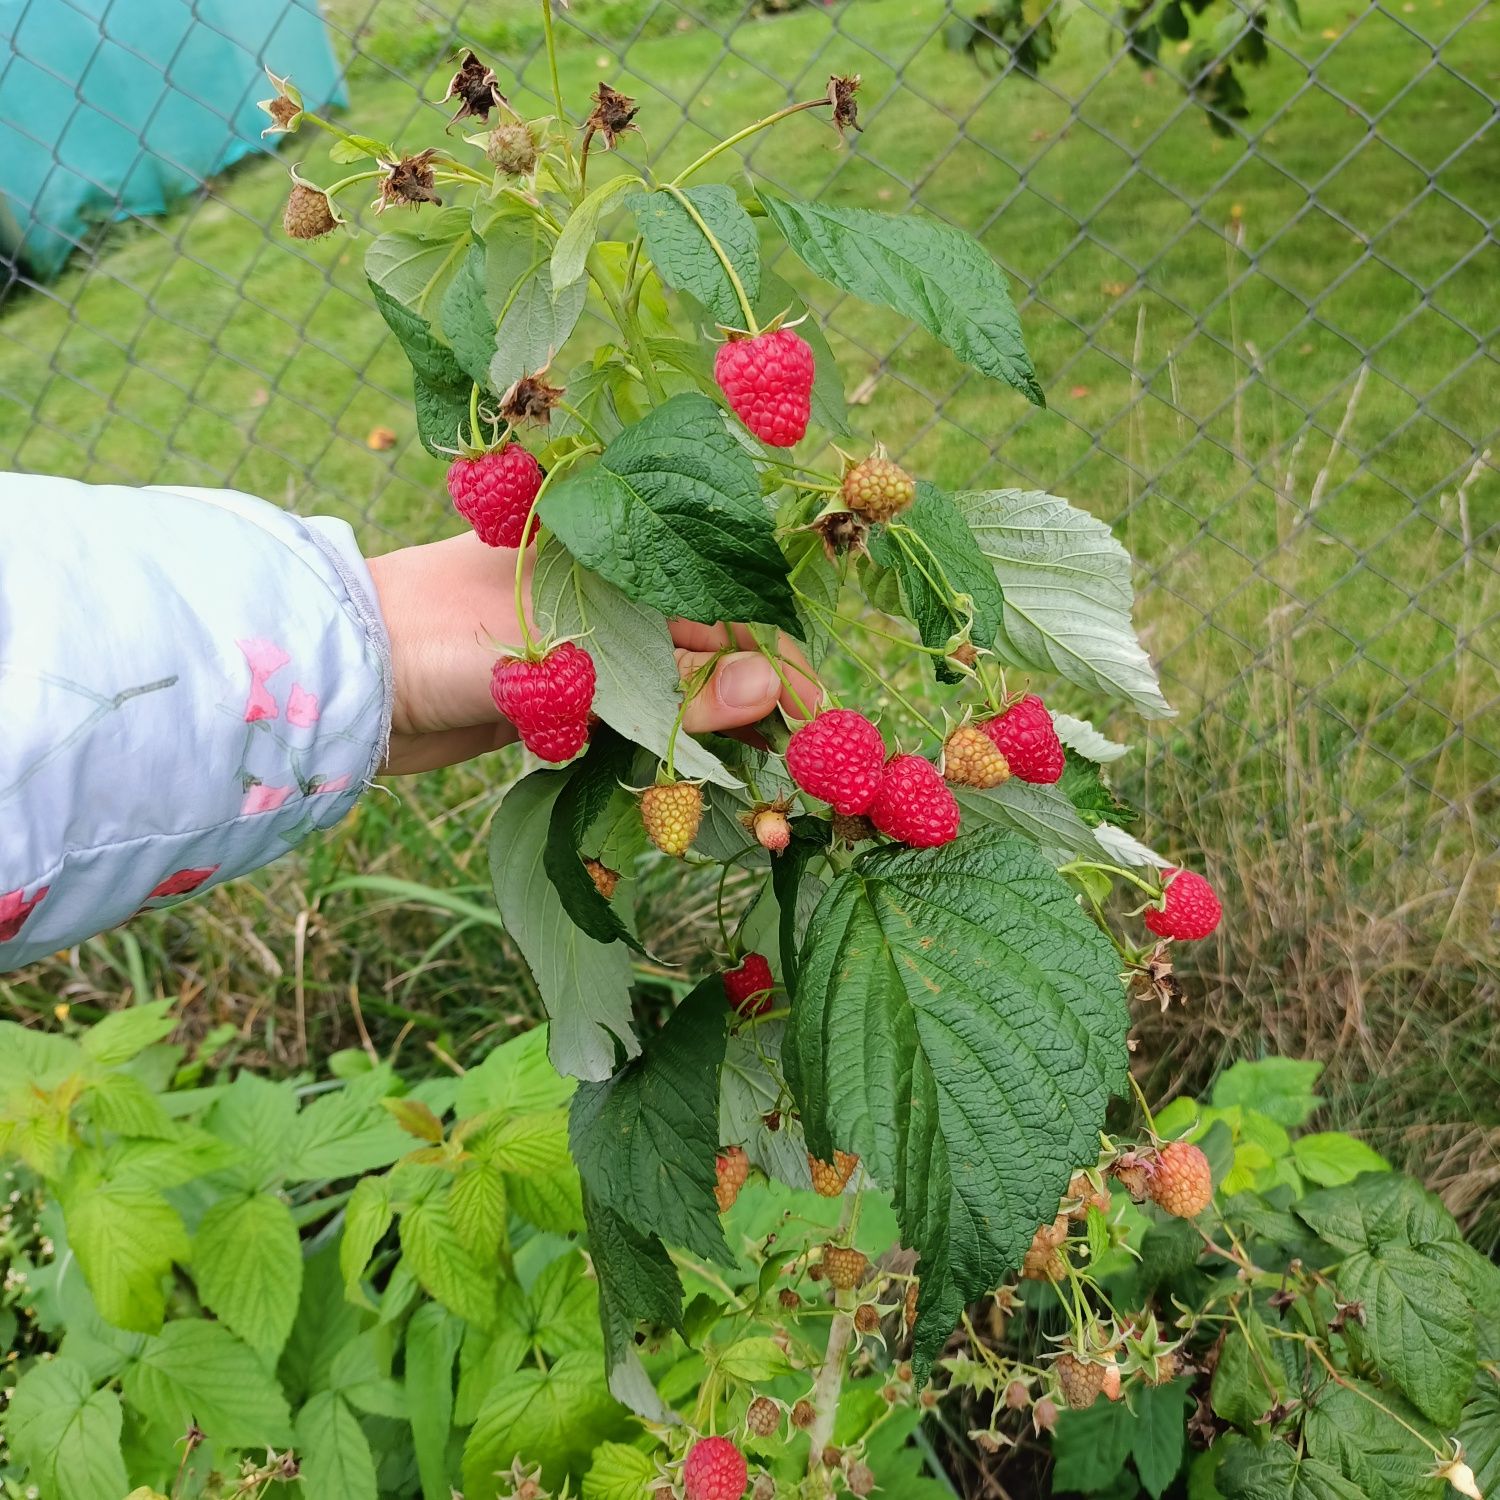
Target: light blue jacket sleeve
[191,681]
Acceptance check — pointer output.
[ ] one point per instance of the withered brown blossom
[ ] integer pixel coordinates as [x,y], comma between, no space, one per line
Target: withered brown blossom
[612,116]
[477,90]
[408,181]
[531,399]
[841,92]
[841,531]
[284,107]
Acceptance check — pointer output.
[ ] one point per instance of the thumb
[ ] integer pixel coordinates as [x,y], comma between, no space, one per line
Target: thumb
[743,689]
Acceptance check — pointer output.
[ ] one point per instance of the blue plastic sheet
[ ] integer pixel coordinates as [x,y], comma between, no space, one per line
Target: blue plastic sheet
[114,108]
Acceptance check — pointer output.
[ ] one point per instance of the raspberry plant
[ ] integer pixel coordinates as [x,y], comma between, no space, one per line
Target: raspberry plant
[938,1012]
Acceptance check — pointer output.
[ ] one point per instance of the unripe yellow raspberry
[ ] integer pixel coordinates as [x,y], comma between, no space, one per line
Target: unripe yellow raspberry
[830,1181]
[672,813]
[878,489]
[971,759]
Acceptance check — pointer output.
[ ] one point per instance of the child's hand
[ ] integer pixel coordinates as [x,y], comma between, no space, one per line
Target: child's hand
[448,605]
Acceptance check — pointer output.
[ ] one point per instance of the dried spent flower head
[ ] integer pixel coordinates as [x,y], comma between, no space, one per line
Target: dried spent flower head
[284,107]
[531,399]
[408,181]
[841,531]
[841,92]
[605,880]
[613,114]
[512,147]
[477,90]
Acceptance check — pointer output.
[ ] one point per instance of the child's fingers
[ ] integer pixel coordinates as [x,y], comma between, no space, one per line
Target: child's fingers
[801,692]
[743,689]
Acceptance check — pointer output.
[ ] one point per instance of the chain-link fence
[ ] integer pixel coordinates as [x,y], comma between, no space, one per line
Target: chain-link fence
[1254,256]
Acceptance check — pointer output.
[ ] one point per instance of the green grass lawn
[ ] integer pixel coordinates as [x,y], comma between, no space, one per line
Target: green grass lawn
[1267,365]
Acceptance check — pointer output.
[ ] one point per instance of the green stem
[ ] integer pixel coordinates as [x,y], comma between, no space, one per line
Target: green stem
[331,128]
[557,98]
[527,639]
[1140,1099]
[1135,880]
[345,182]
[741,135]
[939,585]
[630,329]
[871,672]
[734,276]
[474,414]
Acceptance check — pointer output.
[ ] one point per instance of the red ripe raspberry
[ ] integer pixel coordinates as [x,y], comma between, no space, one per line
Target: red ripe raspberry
[837,758]
[914,804]
[749,986]
[493,493]
[768,382]
[715,1470]
[1189,907]
[1181,1182]
[1024,735]
[548,700]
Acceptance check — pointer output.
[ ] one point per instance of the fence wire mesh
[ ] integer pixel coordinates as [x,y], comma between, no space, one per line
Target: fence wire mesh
[1267,352]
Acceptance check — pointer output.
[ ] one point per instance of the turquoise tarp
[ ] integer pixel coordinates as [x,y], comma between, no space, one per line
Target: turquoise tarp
[111,108]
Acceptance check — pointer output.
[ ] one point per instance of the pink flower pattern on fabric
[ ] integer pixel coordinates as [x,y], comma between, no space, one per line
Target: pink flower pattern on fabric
[265,658]
[261,798]
[182,882]
[14,909]
[301,707]
[338,784]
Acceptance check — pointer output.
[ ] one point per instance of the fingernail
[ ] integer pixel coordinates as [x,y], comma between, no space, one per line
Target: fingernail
[745,681]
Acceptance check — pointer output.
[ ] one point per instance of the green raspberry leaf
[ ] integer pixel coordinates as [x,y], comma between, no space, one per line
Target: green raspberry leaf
[1158,1433]
[440,388]
[645,1140]
[197,1371]
[1272,1471]
[929,272]
[247,1262]
[1350,1428]
[65,1434]
[946,582]
[334,1451]
[413,266]
[965,982]
[531,319]
[1395,1249]
[584,985]
[672,515]
[685,258]
[554,1417]
[1067,588]
[467,323]
[637,1284]
[592,781]
[1083,784]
